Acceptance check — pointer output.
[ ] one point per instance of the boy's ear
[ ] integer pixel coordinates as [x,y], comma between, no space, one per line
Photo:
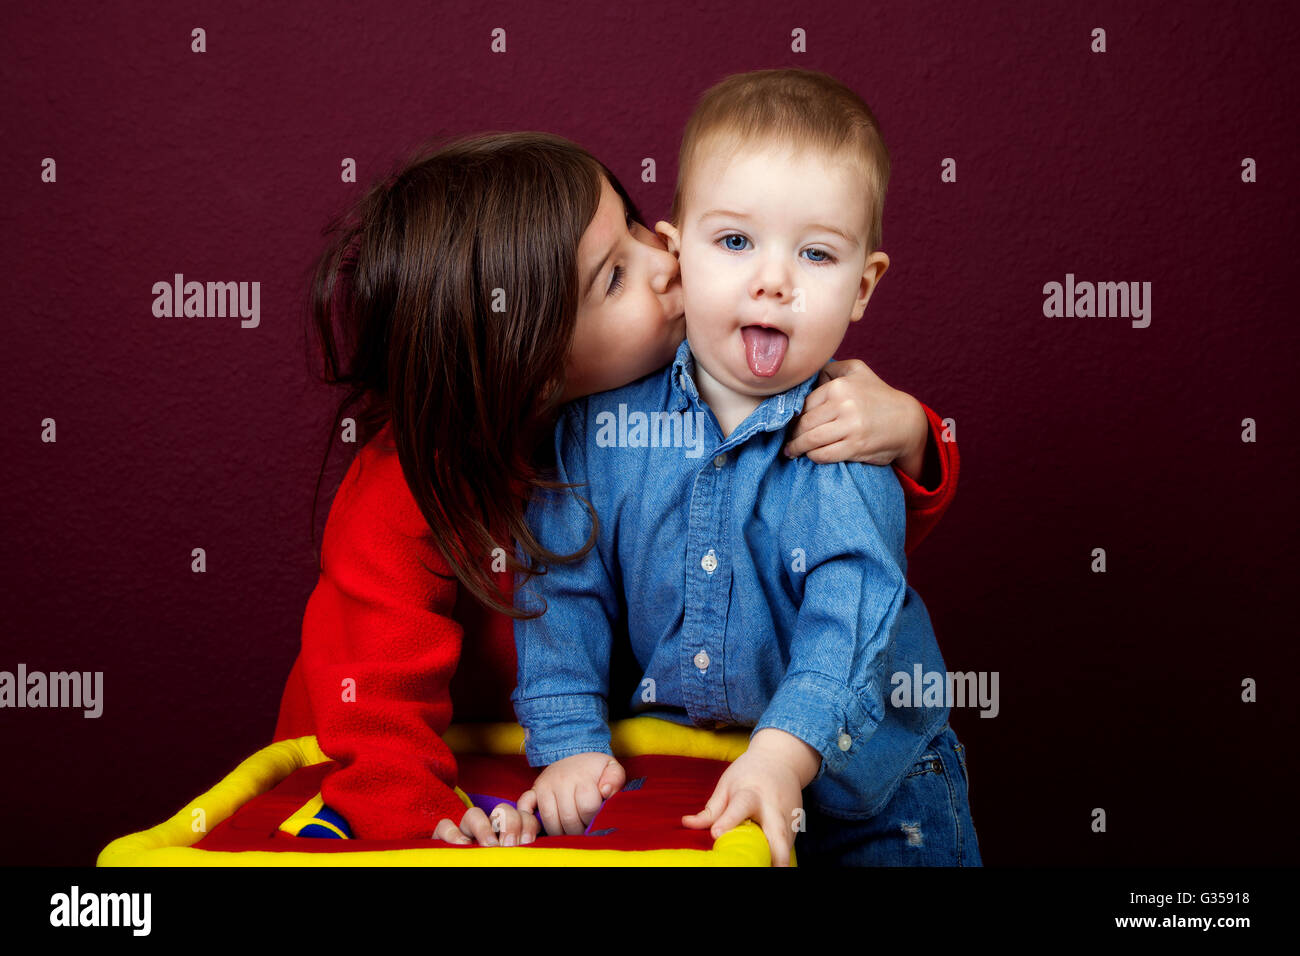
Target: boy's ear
[875,267]
[670,235]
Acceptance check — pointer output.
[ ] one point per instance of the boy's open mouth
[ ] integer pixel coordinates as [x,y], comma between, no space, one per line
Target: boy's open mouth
[764,349]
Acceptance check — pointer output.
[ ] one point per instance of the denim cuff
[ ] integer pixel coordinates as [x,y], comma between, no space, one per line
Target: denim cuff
[822,712]
[559,727]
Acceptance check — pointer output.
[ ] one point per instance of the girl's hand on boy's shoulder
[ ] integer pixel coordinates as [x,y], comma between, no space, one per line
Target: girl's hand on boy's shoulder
[853,415]
[570,792]
[506,827]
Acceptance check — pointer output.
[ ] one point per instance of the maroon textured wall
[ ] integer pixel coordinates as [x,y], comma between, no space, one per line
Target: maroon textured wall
[1119,690]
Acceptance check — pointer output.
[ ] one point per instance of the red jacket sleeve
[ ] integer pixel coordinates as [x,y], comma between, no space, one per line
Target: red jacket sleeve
[929,499]
[379,648]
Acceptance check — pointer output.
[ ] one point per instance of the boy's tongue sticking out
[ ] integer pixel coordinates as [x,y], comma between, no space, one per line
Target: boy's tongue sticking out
[764,349]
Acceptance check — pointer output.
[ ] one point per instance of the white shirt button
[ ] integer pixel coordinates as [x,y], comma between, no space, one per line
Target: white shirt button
[702,661]
[845,741]
[720,461]
[709,562]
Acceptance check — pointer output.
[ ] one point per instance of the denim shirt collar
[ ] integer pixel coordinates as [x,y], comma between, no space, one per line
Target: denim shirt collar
[774,413]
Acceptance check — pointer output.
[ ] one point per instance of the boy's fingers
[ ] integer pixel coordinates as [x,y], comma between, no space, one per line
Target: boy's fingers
[612,779]
[475,823]
[778,841]
[527,803]
[717,803]
[587,802]
[698,821]
[740,808]
[570,818]
[550,813]
[529,829]
[448,832]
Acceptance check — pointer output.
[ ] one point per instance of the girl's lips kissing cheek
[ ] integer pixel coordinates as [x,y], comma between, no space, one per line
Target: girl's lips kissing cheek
[764,349]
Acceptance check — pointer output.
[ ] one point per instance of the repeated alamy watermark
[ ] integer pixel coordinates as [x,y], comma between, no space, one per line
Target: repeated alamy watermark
[946,689]
[75,689]
[651,430]
[1085,300]
[181,299]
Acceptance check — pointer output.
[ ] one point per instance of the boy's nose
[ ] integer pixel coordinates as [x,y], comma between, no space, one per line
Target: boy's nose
[770,286]
[771,281]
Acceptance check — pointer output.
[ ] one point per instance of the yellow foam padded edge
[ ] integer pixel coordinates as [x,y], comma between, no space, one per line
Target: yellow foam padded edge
[253,777]
[634,737]
[171,842]
[743,846]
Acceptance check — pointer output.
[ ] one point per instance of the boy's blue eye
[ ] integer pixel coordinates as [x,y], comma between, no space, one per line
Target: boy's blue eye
[735,242]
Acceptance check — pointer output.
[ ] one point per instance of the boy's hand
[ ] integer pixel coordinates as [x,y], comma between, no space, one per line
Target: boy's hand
[569,792]
[764,784]
[506,827]
[853,415]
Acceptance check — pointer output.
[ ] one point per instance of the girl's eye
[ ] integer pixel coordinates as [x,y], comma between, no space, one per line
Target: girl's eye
[823,254]
[727,242]
[615,281]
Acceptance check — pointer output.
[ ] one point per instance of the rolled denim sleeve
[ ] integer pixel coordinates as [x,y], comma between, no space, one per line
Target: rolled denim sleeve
[854,590]
[563,656]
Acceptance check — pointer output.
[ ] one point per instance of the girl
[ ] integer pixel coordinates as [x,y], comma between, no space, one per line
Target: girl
[461,304]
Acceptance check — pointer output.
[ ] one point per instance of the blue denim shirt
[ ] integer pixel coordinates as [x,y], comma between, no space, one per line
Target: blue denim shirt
[755,590]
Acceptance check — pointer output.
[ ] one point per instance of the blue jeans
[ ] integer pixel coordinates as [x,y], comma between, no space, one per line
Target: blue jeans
[926,823]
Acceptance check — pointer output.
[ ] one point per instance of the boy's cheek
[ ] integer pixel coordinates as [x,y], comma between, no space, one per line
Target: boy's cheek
[687,259]
[703,297]
[705,275]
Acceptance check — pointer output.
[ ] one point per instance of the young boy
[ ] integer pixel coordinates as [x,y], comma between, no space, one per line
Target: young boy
[755,590]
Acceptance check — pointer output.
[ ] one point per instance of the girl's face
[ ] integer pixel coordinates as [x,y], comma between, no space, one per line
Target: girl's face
[630,315]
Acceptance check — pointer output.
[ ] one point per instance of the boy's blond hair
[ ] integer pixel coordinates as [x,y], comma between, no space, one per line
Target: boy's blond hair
[802,109]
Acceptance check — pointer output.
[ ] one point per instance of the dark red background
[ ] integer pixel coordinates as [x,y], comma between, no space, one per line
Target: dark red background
[1118,690]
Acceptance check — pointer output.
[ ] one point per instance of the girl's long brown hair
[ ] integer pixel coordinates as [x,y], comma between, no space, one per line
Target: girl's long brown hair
[446,302]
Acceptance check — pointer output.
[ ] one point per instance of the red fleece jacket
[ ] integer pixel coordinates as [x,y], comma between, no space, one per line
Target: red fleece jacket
[383,655]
